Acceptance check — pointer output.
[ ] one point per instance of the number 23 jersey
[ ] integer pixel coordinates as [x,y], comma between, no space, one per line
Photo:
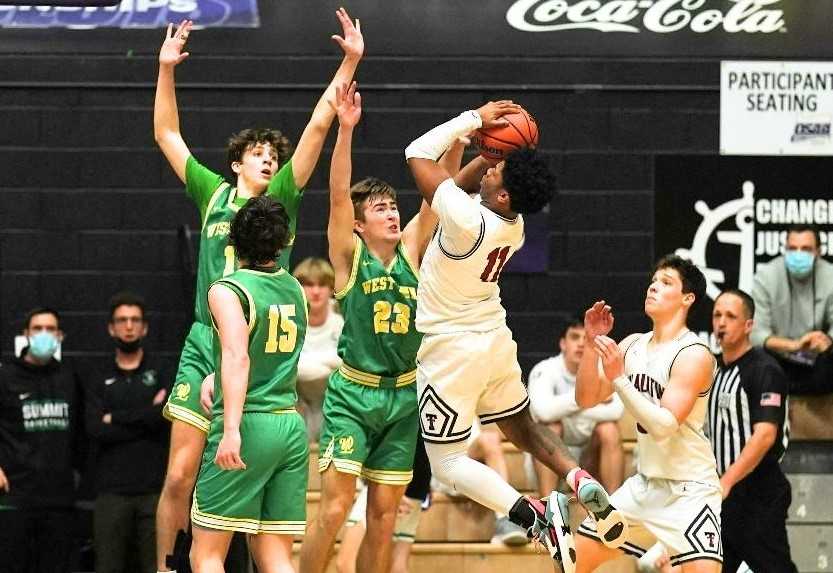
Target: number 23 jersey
[458,277]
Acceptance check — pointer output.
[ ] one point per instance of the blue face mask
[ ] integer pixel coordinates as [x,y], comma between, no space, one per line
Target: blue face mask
[799,263]
[42,346]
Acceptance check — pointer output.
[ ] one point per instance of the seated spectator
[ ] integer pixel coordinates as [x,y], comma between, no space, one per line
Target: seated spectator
[41,443]
[124,416]
[793,297]
[592,435]
[318,356]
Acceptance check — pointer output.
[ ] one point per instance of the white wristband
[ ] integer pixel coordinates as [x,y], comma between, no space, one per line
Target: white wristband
[434,143]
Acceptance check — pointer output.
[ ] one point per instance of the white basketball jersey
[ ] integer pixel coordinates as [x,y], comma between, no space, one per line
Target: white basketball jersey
[458,289]
[687,454]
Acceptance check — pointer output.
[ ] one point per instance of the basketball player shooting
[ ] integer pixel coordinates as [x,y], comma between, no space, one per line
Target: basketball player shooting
[663,378]
[467,362]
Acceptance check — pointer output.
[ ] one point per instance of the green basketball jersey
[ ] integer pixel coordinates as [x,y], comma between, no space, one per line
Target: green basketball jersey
[218,203]
[276,310]
[379,306]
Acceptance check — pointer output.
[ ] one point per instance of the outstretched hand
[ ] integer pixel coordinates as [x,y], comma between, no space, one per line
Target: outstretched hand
[352,41]
[491,113]
[348,105]
[613,361]
[598,320]
[171,52]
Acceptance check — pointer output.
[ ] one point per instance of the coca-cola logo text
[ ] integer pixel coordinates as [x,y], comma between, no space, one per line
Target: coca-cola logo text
[659,16]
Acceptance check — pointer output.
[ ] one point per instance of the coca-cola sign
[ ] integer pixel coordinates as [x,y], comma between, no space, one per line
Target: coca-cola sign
[634,16]
[535,29]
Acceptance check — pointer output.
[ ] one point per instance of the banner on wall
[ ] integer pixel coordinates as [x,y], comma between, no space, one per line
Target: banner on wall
[776,108]
[730,214]
[557,28]
[135,14]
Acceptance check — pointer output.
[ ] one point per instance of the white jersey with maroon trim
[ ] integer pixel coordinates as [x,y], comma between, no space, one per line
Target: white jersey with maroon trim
[687,454]
[458,289]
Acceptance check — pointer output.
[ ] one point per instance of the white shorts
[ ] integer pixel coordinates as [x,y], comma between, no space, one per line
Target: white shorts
[683,515]
[466,374]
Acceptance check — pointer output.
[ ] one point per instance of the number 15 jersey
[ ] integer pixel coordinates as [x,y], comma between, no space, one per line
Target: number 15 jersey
[458,289]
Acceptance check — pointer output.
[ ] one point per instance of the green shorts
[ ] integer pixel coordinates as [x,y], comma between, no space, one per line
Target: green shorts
[369,432]
[269,496]
[195,363]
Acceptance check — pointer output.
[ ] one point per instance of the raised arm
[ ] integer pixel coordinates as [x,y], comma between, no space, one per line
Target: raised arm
[591,385]
[691,375]
[342,218]
[234,371]
[423,153]
[165,113]
[312,139]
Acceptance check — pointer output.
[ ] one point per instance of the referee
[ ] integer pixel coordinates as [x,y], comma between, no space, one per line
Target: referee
[749,431]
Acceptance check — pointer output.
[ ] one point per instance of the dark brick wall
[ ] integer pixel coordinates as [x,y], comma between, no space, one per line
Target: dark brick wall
[88,205]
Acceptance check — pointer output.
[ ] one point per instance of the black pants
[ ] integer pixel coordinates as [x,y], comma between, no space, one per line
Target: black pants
[36,540]
[804,379]
[124,528]
[753,523]
[420,485]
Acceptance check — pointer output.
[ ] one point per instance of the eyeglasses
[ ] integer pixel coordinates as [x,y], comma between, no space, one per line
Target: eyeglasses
[126,319]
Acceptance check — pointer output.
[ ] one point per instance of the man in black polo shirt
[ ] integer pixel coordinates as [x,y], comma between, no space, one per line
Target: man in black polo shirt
[749,432]
[40,446]
[124,417]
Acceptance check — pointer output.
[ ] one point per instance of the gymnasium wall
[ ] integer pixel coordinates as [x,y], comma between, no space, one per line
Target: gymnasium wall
[88,205]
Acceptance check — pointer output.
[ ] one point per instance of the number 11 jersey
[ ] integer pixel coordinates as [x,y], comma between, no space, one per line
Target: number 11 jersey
[459,274]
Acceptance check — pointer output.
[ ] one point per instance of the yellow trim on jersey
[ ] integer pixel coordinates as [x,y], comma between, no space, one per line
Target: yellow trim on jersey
[276,273]
[374,380]
[252,308]
[358,245]
[388,477]
[231,197]
[404,253]
[174,412]
[214,196]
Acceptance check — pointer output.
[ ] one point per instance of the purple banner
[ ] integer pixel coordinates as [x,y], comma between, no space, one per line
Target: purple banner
[135,14]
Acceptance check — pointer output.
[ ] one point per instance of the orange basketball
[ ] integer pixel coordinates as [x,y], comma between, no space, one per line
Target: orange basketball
[495,143]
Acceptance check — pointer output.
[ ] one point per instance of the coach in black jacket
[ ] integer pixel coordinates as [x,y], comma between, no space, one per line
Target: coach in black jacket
[124,417]
[40,445]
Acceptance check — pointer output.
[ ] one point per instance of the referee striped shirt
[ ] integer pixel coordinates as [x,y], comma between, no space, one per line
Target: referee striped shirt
[749,390]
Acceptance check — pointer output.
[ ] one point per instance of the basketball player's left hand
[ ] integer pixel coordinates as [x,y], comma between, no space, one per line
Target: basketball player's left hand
[352,42]
[613,361]
[228,453]
[348,106]
[492,112]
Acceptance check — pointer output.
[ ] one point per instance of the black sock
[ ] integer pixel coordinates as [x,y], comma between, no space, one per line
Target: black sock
[522,513]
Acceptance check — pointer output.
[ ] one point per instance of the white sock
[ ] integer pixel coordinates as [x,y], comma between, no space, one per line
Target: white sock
[571,477]
[451,464]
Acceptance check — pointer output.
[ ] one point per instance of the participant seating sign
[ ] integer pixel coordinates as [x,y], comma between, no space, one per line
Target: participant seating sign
[776,108]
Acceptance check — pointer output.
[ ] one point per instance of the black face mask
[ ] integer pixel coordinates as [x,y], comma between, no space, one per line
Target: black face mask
[128,347]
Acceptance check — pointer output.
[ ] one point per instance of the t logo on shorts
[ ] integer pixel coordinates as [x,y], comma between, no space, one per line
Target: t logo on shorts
[704,533]
[437,419]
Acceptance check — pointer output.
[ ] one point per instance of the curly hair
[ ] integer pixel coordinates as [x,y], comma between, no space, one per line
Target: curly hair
[691,276]
[528,180]
[369,188]
[259,230]
[244,140]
